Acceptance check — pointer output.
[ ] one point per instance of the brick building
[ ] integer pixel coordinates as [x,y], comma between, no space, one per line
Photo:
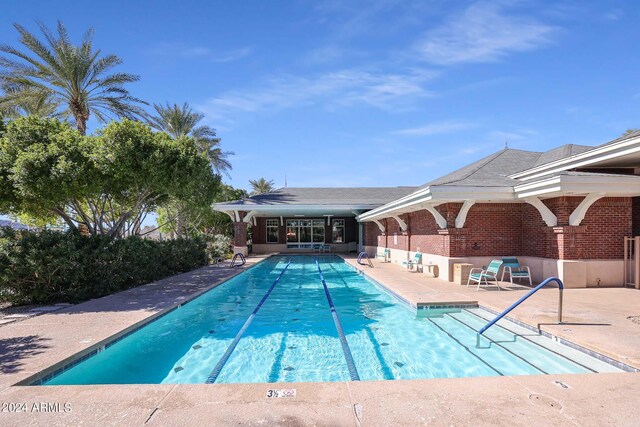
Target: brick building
[563,213]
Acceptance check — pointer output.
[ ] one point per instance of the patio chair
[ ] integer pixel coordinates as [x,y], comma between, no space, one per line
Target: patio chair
[515,270]
[385,255]
[416,261]
[485,274]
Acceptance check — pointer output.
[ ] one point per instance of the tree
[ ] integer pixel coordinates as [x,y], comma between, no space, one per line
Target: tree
[261,186]
[630,131]
[183,122]
[76,79]
[107,183]
[38,103]
[189,221]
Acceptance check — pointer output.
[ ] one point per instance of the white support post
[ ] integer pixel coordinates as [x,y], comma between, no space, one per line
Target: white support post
[237,216]
[380,226]
[230,215]
[462,215]
[440,220]
[580,211]
[248,216]
[547,216]
[281,221]
[401,223]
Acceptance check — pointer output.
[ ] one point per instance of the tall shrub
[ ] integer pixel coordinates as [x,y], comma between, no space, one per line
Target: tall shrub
[48,266]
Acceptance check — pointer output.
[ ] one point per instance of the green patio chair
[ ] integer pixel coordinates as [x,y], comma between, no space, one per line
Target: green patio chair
[512,267]
[485,274]
[385,255]
[415,262]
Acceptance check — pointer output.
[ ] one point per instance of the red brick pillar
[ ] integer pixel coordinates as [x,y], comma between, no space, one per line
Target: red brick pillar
[568,240]
[240,236]
[455,242]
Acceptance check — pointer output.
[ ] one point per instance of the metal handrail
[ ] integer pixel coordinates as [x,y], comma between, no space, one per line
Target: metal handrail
[235,257]
[225,357]
[524,297]
[351,365]
[364,255]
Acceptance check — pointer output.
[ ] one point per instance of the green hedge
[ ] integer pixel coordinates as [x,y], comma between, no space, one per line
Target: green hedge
[48,267]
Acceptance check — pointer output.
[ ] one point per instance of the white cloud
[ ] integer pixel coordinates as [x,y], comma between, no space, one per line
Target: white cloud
[340,88]
[436,128]
[203,52]
[483,32]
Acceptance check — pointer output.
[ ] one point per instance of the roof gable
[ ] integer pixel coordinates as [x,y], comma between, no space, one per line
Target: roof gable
[561,152]
[490,171]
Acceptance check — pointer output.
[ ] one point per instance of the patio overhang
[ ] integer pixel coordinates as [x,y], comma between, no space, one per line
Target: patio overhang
[432,196]
[580,184]
[257,211]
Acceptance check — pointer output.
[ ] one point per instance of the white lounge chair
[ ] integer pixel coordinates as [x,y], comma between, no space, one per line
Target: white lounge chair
[415,262]
[512,267]
[485,274]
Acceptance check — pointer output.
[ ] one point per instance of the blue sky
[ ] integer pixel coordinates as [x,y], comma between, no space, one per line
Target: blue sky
[372,93]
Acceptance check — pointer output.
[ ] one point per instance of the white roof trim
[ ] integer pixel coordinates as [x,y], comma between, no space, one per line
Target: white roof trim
[283,206]
[576,184]
[606,152]
[434,195]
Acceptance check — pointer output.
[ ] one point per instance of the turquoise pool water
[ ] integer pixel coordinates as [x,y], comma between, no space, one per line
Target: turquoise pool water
[293,336]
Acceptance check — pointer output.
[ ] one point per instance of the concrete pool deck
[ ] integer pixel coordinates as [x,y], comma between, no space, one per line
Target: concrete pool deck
[595,318]
[29,346]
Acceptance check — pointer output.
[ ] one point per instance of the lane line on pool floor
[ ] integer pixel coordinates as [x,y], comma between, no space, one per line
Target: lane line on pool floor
[225,357]
[351,365]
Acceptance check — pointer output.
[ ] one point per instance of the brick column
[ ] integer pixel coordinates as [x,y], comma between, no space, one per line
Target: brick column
[568,240]
[240,236]
[455,242]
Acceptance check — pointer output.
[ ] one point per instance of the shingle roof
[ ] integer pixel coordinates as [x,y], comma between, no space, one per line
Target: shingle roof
[327,196]
[491,171]
[561,152]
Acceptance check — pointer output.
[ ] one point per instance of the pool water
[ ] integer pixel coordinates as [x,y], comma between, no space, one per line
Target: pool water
[293,337]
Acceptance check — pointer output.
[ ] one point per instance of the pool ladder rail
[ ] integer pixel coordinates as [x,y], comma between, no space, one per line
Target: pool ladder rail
[235,258]
[520,301]
[362,256]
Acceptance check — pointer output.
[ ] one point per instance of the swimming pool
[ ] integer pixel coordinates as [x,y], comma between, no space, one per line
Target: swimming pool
[293,338]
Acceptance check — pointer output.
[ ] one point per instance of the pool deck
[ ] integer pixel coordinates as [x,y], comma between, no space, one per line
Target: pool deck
[597,316]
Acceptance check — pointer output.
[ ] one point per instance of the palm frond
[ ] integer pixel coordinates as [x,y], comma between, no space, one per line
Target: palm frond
[73,77]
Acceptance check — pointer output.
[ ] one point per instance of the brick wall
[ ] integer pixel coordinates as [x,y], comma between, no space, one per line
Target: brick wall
[503,229]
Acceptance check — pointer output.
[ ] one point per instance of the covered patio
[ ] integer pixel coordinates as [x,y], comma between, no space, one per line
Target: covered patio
[305,219]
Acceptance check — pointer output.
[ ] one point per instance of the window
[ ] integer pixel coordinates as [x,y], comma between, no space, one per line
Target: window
[305,231]
[272,230]
[338,231]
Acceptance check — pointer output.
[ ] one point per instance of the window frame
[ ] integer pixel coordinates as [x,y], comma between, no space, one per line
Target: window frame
[338,224]
[269,225]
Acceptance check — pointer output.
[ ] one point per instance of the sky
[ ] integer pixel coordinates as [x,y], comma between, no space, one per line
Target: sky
[371,93]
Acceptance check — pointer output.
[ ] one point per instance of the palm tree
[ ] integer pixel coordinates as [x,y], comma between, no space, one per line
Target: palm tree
[183,122]
[75,78]
[36,103]
[261,186]
[630,131]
